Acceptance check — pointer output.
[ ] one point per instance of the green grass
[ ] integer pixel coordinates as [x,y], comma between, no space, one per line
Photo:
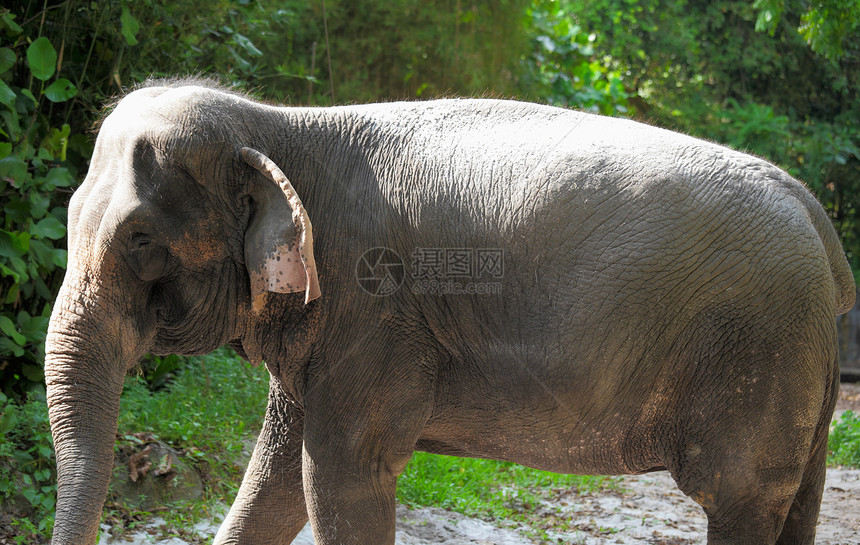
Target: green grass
[488,489]
[214,403]
[844,441]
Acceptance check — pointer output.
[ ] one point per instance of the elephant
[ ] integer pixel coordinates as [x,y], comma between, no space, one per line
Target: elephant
[650,301]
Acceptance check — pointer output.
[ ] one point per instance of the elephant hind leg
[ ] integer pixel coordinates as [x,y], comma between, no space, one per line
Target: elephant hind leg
[762,504]
[802,519]
[746,501]
[744,508]
[750,466]
[746,442]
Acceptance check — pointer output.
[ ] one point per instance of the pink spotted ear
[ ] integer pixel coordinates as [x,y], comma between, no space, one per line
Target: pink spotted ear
[279,242]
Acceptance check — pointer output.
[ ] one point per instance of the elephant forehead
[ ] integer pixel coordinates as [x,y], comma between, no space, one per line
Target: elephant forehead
[157,103]
[138,114]
[181,111]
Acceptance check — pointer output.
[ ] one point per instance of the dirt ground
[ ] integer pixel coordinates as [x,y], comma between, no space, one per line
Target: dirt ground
[644,509]
[649,509]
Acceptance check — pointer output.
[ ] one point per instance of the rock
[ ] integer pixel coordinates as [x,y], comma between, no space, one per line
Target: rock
[149,475]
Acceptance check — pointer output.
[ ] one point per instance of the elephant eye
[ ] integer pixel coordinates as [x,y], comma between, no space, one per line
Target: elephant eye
[146,257]
[139,240]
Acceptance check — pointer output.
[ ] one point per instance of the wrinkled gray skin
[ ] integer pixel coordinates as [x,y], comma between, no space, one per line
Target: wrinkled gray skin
[666,303]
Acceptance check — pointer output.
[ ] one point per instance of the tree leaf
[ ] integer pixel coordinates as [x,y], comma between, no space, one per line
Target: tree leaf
[61,90]
[8,21]
[14,244]
[42,252]
[245,65]
[34,373]
[7,59]
[7,346]
[7,326]
[12,296]
[247,45]
[28,94]
[42,58]
[12,124]
[42,289]
[7,95]
[39,203]
[130,25]
[49,227]
[33,327]
[48,502]
[61,257]
[58,177]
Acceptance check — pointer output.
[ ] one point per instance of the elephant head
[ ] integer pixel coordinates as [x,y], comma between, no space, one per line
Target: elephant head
[181,227]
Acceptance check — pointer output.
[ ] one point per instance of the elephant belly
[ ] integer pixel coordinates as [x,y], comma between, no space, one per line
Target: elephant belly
[547,431]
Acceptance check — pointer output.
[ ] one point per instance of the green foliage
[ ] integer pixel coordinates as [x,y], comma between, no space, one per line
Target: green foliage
[212,41]
[412,49]
[563,68]
[400,49]
[215,400]
[210,411]
[55,71]
[129,26]
[27,468]
[42,58]
[34,181]
[825,25]
[156,372]
[844,441]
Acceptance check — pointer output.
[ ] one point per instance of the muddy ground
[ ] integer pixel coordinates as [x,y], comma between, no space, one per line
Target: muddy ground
[644,509]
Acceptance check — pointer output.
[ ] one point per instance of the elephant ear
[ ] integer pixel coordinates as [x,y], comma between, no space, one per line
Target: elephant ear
[279,242]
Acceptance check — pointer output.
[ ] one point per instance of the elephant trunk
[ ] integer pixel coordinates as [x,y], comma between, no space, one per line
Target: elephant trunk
[84,374]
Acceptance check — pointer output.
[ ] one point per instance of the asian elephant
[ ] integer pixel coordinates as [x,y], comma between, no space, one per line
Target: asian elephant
[660,302]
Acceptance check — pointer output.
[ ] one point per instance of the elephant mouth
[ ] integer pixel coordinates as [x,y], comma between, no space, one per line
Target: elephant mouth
[169,305]
[193,323]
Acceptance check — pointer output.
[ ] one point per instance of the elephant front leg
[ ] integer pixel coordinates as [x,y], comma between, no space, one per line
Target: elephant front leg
[362,420]
[270,507]
[351,506]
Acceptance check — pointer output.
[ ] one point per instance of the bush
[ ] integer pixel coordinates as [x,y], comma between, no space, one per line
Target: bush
[210,411]
[35,181]
[563,68]
[27,470]
[844,441]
